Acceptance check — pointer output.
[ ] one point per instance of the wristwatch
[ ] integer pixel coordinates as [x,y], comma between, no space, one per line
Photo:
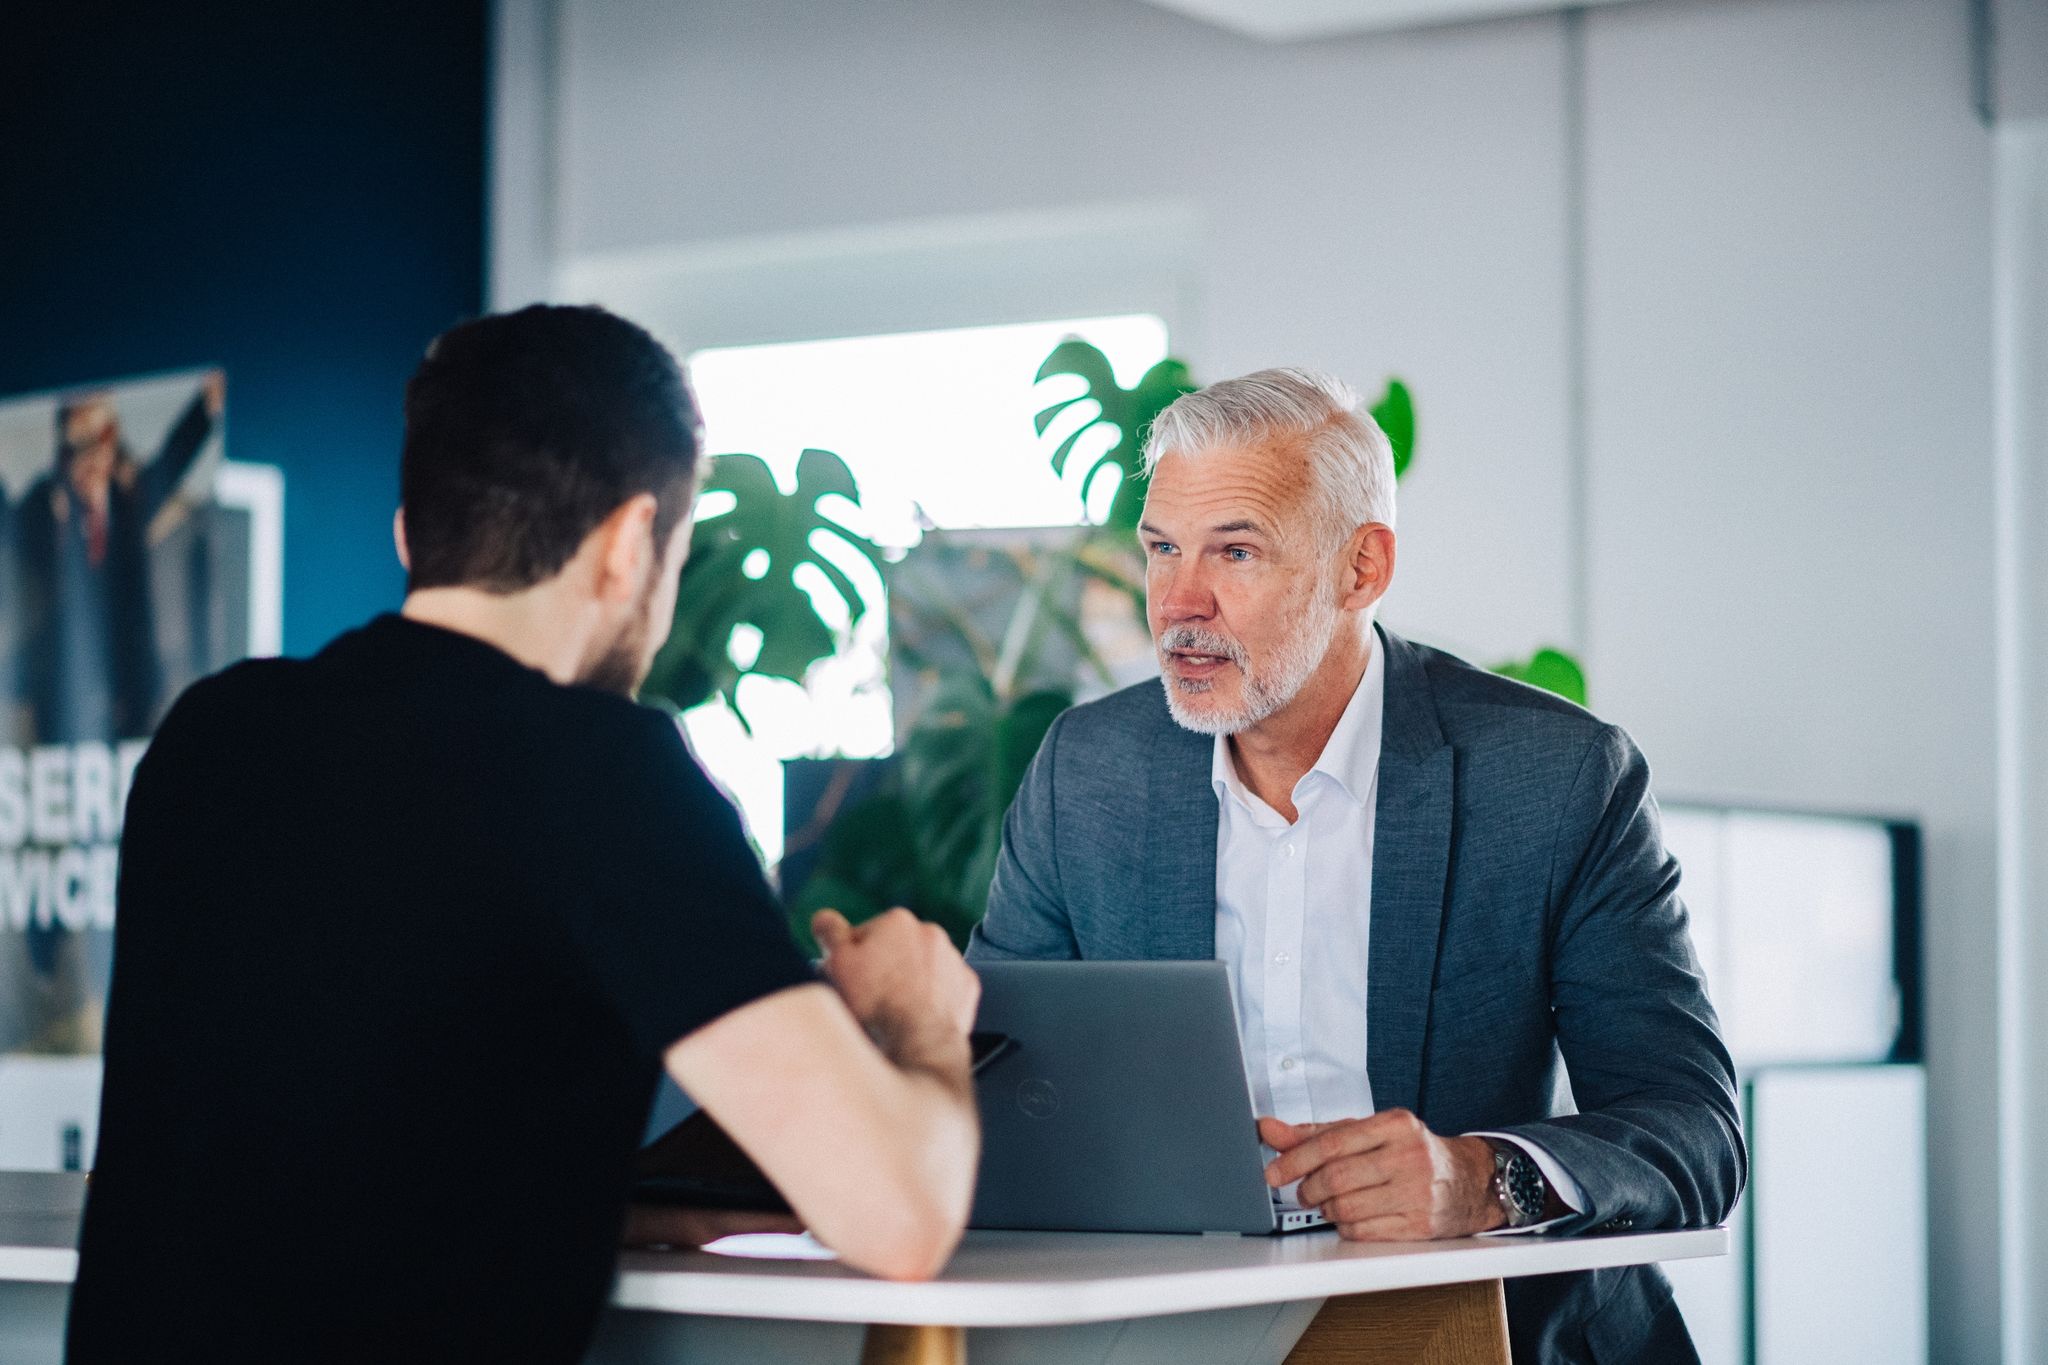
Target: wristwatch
[1518,1186]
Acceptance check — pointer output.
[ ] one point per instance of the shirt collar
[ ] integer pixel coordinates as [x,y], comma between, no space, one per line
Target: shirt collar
[1351,755]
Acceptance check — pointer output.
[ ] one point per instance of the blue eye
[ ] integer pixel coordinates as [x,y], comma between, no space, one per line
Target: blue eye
[1162,547]
[1239,553]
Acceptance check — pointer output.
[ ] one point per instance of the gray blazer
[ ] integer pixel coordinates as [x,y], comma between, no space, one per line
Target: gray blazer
[1526,927]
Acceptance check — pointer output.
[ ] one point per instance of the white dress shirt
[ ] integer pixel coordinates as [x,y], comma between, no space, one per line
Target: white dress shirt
[1294,921]
[1294,918]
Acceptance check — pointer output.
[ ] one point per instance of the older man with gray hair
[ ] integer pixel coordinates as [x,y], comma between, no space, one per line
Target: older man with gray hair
[1441,895]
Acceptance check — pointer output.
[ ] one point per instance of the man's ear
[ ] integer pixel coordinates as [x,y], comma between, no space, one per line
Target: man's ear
[398,540]
[1368,566]
[626,549]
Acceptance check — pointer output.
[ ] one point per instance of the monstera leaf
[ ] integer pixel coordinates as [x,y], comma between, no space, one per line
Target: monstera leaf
[742,571]
[1552,670]
[1128,411]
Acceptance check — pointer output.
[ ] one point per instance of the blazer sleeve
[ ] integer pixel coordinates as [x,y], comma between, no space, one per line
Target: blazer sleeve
[1027,911]
[1658,1141]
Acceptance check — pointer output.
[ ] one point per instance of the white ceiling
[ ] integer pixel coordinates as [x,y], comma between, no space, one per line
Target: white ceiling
[1287,20]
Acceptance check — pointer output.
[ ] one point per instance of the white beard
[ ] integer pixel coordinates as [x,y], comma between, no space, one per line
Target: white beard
[1263,690]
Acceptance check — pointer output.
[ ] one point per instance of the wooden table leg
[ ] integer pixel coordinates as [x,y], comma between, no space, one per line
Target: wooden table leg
[1452,1324]
[891,1344]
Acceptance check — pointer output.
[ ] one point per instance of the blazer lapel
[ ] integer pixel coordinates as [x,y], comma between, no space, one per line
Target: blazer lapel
[1410,873]
[1179,861]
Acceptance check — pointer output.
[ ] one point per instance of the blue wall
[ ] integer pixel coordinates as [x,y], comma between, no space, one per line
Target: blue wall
[295,192]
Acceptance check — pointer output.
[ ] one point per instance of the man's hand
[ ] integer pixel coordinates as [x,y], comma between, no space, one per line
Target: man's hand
[1386,1178]
[649,1225]
[904,980]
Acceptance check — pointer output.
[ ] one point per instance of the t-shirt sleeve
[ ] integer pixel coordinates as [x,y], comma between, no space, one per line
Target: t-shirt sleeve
[687,928]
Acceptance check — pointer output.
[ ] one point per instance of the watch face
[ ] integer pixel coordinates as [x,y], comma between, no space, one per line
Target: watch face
[1524,1184]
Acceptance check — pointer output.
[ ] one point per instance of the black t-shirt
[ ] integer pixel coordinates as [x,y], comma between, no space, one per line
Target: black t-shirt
[403,932]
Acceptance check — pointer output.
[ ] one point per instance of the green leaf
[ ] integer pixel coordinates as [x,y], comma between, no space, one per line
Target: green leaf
[775,533]
[1129,412]
[1552,670]
[1395,412]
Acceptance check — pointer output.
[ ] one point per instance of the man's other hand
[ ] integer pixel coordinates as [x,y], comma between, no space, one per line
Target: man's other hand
[1386,1178]
[651,1225]
[902,978]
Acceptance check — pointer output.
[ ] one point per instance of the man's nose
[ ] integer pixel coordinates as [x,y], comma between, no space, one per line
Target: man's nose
[1184,596]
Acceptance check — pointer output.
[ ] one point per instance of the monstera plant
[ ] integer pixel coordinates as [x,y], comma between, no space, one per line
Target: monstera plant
[742,572]
[1127,412]
[927,833]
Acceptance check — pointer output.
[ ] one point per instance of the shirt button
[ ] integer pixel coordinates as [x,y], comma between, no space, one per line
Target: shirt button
[1288,849]
[1287,1063]
[1282,958]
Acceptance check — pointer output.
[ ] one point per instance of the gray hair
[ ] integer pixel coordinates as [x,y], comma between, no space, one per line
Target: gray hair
[1351,462]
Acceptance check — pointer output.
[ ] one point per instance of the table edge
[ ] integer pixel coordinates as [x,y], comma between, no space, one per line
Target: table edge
[999,1303]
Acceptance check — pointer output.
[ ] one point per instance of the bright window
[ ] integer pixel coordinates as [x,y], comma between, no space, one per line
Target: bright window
[937,430]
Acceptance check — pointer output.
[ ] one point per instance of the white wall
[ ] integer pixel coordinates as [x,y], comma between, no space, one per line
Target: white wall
[2022,368]
[1374,207]
[1786,452]
[1791,475]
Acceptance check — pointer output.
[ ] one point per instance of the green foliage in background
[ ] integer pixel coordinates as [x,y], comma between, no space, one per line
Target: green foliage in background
[742,571]
[1551,670]
[930,837]
[1395,412]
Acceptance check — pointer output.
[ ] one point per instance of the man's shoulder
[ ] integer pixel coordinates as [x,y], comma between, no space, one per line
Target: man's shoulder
[1113,738]
[354,686]
[1132,718]
[421,660]
[240,689]
[1473,702]
[1509,734]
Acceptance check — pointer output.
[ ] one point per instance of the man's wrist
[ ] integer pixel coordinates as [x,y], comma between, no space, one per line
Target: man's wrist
[1554,1206]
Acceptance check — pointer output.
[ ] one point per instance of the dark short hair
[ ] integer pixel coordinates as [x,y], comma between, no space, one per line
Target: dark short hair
[524,431]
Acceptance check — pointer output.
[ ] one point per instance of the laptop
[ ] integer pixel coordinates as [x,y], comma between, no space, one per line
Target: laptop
[1121,1104]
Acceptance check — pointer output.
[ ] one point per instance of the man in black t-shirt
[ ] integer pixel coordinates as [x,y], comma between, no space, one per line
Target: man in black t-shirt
[408,929]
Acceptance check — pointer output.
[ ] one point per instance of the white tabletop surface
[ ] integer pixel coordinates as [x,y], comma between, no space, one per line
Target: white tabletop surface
[998,1279]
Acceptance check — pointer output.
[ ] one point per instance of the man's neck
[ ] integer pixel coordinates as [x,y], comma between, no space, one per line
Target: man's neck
[536,627]
[1273,755]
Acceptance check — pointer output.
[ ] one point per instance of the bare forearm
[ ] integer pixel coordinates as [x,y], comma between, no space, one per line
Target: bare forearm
[877,1158]
[902,1178]
[951,1148]
[934,1062]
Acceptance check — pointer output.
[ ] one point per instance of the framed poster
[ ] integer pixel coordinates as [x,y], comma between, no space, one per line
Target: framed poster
[134,559]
